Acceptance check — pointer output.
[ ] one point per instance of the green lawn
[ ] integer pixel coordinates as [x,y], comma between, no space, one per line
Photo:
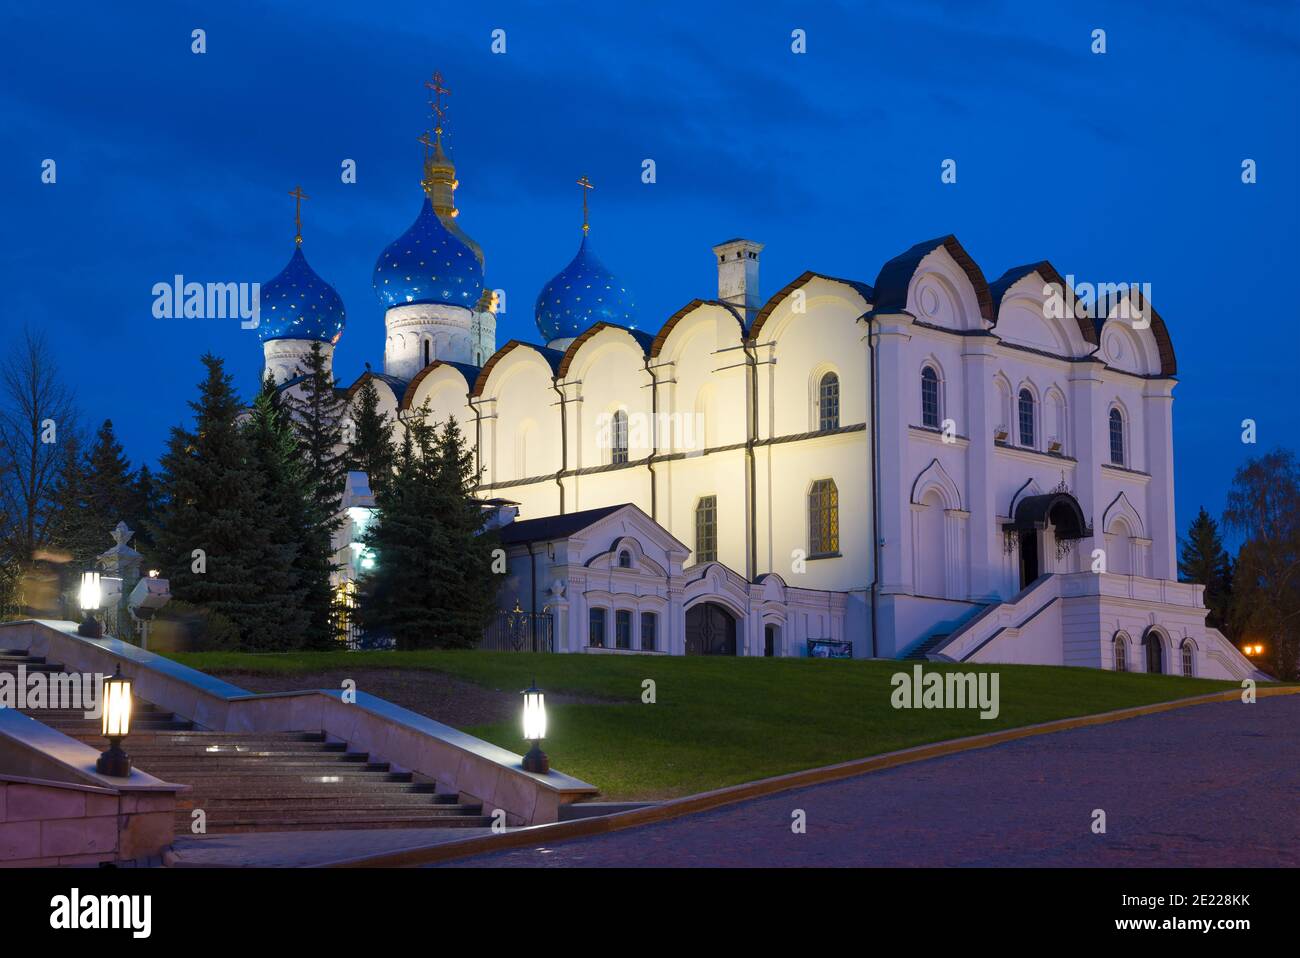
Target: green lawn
[720,721]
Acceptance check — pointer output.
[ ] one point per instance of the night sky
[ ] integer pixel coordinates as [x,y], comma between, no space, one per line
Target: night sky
[1119,167]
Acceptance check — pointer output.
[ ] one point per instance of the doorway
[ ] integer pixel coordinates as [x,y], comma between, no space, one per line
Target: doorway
[710,630]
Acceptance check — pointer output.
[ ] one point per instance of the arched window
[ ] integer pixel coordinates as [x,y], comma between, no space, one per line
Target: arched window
[428,349]
[823,518]
[625,560]
[1189,658]
[1026,418]
[1121,654]
[828,402]
[596,628]
[1116,437]
[618,438]
[706,529]
[929,397]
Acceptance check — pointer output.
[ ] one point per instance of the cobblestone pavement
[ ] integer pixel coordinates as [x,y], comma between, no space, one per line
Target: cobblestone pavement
[1207,785]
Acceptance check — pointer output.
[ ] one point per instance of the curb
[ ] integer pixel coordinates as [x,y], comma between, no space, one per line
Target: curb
[705,801]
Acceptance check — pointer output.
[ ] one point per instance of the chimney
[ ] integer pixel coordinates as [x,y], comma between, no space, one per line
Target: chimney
[738,275]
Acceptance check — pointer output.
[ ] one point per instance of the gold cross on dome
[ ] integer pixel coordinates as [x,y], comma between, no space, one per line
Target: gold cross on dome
[586,185]
[436,92]
[298,196]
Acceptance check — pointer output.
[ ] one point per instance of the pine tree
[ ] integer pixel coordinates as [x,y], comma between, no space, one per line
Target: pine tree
[212,533]
[371,449]
[273,448]
[317,410]
[1203,559]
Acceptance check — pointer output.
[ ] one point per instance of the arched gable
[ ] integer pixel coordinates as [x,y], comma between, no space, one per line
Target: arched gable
[1021,298]
[920,279]
[862,294]
[388,388]
[437,372]
[1132,322]
[935,477]
[1121,508]
[642,342]
[641,561]
[727,318]
[718,583]
[551,358]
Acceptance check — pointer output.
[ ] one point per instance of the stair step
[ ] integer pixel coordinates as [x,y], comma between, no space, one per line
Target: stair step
[298,825]
[368,799]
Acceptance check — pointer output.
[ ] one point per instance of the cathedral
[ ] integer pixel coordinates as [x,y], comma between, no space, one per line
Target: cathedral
[927,465]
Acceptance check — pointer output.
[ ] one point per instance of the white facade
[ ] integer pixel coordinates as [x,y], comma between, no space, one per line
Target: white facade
[952,490]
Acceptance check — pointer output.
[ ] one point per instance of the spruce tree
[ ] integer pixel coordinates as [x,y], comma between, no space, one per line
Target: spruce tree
[432,583]
[212,533]
[144,495]
[273,448]
[1203,559]
[371,449]
[463,563]
[317,410]
[69,530]
[398,597]
[110,496]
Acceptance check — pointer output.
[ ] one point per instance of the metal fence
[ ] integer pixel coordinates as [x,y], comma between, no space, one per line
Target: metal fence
[519,631]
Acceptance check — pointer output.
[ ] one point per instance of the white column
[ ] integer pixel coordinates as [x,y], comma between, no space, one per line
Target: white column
[1158,430]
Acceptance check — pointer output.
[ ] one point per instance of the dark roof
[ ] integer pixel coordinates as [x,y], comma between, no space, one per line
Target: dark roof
[1033,512]
[896,275]
[546,528]
[398,386]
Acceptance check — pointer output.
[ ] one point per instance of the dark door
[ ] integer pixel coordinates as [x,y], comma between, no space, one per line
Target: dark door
[1028,557]
[1155,658]
[769,640]
[710,630]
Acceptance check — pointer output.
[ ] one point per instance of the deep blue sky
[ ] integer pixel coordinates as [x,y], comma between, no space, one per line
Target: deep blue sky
[1117,167]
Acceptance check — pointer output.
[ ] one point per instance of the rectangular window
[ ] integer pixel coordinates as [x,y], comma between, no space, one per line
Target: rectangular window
[706,529]
[619,454]
[622,629]
[596,628]
[649,626]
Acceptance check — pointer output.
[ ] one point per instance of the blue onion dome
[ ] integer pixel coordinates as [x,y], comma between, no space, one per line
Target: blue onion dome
[298,304]
[582,294]
[428,264]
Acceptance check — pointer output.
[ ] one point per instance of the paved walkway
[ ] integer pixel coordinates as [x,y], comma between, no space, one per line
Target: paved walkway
[293,849]
[1207,785]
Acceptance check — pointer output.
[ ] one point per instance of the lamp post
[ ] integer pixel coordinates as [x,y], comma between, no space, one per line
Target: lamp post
[116,709]
[90,597]
[535,729]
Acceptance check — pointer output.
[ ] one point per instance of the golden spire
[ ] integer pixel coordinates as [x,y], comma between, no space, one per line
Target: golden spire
[586,185]
[298,196]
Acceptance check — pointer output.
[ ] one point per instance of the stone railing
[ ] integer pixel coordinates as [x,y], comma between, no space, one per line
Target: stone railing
[457,761]
[56,809]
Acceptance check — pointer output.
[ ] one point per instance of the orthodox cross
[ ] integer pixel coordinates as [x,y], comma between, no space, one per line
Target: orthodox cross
[298,196]
[586,185]
[436,92]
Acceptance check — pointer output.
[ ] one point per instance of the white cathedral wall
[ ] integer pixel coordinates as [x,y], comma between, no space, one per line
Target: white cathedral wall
[1072,405]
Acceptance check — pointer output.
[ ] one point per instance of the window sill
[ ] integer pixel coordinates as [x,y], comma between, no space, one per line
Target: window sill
[825,555]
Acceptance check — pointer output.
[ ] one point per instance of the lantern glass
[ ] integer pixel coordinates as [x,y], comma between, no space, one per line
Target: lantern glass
[534,715]
[117,706]
[90,592]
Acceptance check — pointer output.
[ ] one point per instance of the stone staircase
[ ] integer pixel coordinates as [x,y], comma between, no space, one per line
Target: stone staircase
[264,781]
[921,651]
